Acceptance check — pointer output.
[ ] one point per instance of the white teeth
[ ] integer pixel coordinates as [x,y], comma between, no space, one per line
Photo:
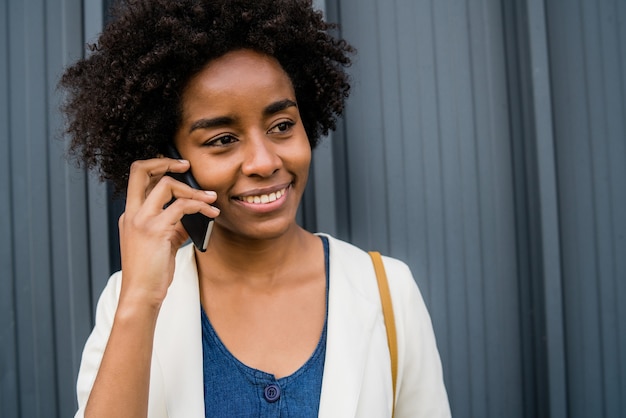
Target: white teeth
[264,198]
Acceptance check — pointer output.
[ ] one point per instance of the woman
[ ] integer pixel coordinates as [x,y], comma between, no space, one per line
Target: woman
[270,320]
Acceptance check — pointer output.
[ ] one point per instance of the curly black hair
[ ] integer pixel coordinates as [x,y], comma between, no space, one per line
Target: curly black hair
[123,100]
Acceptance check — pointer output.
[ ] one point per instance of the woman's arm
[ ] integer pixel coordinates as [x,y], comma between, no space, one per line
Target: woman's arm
[149,239]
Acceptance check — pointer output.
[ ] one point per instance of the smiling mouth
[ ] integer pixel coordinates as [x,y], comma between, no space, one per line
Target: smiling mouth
[264,198]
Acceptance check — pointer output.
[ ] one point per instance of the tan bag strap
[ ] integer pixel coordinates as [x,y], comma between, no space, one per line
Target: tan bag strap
[390,323]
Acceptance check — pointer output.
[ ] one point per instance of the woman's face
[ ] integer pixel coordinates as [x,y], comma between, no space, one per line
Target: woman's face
[242,133]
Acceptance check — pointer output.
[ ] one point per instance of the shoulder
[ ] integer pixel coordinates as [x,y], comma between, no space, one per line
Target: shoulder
[358,263]
[420,387]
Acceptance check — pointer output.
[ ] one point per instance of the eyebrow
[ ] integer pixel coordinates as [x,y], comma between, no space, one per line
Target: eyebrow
[228,120]
[211,123]
[278,106]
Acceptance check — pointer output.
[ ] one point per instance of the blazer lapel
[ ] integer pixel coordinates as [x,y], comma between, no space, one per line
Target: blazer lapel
[178,341]
[351,320]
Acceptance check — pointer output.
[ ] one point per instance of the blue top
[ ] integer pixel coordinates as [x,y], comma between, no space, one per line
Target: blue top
[232,389]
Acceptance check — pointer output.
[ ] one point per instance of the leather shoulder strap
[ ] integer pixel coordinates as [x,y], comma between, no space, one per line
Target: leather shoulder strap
[390,323]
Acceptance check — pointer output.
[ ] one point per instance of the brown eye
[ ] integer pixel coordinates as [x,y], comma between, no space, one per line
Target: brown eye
[221,141]
[282,127]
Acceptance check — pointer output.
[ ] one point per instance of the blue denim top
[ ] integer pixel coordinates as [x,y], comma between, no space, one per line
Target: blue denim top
[232,389]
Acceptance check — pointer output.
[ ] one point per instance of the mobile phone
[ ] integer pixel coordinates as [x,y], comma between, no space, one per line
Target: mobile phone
[197,225]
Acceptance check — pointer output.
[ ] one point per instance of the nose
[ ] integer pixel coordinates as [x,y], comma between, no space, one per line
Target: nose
[261,158]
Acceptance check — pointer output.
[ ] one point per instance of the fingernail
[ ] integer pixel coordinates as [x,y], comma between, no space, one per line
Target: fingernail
[183,161]
[210,193]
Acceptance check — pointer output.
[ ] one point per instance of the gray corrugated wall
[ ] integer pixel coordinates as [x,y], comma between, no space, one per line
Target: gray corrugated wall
[484,144]
[537,231]
[429,180]
[50,239]
[588,66]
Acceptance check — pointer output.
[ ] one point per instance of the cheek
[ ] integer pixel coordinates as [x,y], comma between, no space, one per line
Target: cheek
[305,160]
[212,176]
[301,155]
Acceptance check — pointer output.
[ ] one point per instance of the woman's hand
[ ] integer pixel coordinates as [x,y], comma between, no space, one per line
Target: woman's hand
[149,234]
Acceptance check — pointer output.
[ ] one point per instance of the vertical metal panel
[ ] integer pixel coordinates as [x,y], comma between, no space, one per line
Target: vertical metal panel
[8,356]
[430,179]
[537,212]
[536,209]
[101,222]
[30,200]
[321,179]
[45,303]
[588,42]
[547,210]
[69,220]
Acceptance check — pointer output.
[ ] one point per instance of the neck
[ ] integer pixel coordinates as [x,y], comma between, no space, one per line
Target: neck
[257,262]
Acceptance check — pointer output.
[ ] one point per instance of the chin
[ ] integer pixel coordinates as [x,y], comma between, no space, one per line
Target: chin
[268,230]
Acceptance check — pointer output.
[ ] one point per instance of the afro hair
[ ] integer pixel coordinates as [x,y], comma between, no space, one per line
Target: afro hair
[122,101]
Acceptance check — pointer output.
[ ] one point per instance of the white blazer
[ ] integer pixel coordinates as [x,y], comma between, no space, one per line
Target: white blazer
[357,370]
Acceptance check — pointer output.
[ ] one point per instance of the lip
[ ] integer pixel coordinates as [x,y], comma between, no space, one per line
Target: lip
[262,191]
[281,190]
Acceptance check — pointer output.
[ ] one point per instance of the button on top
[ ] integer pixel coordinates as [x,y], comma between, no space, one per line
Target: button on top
[271,392]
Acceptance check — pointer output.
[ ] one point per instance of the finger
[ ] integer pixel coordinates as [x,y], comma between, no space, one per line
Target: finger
[145,174]
[175,212]
[168,189]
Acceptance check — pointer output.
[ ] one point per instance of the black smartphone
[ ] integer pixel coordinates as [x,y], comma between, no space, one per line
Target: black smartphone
[197,225]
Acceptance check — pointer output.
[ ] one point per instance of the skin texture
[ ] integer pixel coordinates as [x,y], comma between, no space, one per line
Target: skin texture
[248,152]
[262,280]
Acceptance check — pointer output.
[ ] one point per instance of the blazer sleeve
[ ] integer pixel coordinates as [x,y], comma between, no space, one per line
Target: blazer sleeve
[420,388]
[97,341]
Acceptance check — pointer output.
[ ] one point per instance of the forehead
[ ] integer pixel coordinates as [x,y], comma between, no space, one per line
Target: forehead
[240,71]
